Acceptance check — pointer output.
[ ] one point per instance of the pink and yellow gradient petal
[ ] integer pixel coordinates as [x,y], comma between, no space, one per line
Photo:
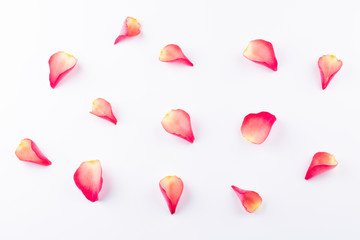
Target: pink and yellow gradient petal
[171,187]
[256,126]
[321,162]
[28,151]
[88,178]
[103,109]
[177,122]
[173,53]
[250,200]
[329,65]
[130,28]
[262,52]
[60,64]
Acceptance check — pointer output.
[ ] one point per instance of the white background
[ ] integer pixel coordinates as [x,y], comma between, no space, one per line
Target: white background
[43,202]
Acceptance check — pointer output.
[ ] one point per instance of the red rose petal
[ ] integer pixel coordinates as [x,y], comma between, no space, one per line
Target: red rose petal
[171,188]
[177,122]
[28,151]
[329,65]
[262,52]
[173,53]
[250,200]
[130,28]
[88,178]
[102,108]
[256,126]
[321,162]
[60,64]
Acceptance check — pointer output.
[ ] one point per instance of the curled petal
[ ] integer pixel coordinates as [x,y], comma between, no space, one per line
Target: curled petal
[171,188]
[329,65]
[130,28]
[88,178]
[321,162]
[177,122]
[60,64]
[28,151]
[173,53]
[256,126]
[262,52]
[250,200]
[102,108]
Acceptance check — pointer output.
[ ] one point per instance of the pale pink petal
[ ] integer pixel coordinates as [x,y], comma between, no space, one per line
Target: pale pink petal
[130,28]
[28,151]
[177,122]
[321,162]
[250,200]
[256,126]
[88,178]
[171,188]
[102,108]
[329,65]
[60,64]
[173,53]
[262,52]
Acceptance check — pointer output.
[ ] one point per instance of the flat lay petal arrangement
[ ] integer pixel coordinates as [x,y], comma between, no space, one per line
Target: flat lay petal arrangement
[255,127]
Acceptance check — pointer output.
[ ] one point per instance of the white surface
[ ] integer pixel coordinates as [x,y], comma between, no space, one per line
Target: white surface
[44,203]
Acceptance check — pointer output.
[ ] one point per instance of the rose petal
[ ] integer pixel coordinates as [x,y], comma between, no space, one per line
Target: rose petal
[60,64]
[130,28]
[250,200]
[171,188]
[256,126]
[173,53]
[88,178]
[262,52]
[177,122]
[102,108]
[28,151]
[321,162]
[329,65]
